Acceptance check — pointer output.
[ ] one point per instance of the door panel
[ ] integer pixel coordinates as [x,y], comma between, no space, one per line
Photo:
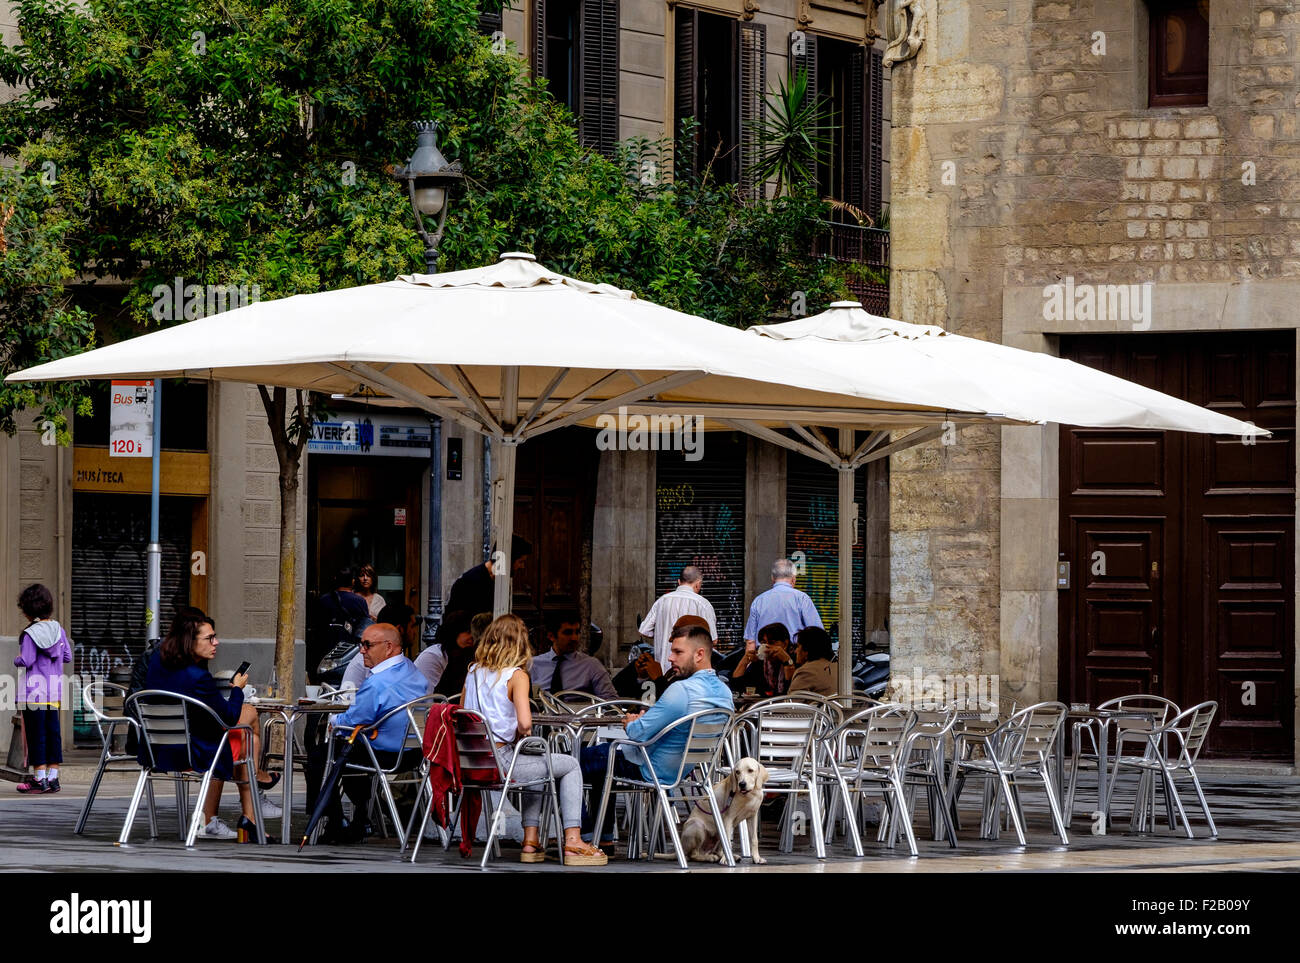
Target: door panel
[1219,611]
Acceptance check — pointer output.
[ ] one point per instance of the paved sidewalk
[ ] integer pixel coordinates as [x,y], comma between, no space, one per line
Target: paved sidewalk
[1258,820]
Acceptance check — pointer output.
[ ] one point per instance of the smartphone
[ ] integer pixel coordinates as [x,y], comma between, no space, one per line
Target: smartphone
[243,668]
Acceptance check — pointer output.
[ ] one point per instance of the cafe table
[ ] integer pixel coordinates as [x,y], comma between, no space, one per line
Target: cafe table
[270,712]
[607,726]
[1080,713]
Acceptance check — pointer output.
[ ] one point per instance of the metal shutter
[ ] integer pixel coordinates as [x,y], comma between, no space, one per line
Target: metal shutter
[700,520]
[598,36]
[855,122]
[751,67]
[109,534]
[539,39]
[806,61]
[812,527]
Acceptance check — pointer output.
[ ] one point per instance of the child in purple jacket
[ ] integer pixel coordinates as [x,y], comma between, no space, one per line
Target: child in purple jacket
[43,649]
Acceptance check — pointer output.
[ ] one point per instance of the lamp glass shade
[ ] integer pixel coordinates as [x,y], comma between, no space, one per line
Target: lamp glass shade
[429,200]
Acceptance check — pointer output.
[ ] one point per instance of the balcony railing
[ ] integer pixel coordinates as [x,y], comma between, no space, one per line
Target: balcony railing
[855,244]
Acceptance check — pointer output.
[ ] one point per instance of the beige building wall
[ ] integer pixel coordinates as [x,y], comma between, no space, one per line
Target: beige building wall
[1024,153]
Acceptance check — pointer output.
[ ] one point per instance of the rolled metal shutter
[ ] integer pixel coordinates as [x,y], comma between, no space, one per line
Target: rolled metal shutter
[812,538]
[700,520]
[109,535]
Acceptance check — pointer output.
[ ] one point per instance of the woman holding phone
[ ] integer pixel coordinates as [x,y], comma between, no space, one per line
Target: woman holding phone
[180,665]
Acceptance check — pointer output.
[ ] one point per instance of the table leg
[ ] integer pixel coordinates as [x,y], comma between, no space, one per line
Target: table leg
[1102,761]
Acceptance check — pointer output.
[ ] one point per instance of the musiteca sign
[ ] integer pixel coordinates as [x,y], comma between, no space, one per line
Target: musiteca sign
[130,419]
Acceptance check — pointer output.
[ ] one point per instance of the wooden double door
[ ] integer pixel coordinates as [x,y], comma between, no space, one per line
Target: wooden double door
[1182,546]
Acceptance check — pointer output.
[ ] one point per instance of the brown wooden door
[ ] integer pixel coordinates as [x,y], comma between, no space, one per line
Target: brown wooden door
[1197,537]
[554,495]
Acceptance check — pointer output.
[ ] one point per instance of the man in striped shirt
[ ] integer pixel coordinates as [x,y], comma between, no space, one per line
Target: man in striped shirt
[684,600]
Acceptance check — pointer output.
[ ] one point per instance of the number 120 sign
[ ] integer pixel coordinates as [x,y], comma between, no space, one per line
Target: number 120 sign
[130,419]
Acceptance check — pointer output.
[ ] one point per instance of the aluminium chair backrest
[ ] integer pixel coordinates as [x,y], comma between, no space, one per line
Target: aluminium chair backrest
[601,707]
[416,712]
[107,704]
[783,732]
[1164,709]
[547,702]
[872,738]
[825,703]
[854,702]
[572,699]
[166,719]
[705,732]
[1194,725]
[1030,734]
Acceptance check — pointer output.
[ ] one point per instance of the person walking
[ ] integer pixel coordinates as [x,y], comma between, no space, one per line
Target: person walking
[781,603]
[670,607]
[43,648]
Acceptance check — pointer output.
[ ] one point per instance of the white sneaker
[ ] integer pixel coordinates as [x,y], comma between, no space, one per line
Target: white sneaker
[216,829]
[269,809]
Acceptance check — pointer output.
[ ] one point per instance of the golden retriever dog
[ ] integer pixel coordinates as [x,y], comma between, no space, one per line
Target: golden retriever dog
[739,795]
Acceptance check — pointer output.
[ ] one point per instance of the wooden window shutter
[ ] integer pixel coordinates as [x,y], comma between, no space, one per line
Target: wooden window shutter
[539,39]
[489,17]
[598,36]
[855,123]
[875,197]
[685,104]
[806,61]
[752,86]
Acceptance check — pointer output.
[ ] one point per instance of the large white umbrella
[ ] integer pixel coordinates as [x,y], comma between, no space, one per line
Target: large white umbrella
[1027,386]
[513,351]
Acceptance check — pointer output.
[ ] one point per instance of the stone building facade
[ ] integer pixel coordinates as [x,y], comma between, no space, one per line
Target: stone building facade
[1026,155]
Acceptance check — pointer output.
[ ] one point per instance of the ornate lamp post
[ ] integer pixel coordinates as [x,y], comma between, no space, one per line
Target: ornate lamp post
[428,177]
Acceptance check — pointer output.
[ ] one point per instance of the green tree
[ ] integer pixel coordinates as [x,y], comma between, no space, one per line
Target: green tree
[239,142]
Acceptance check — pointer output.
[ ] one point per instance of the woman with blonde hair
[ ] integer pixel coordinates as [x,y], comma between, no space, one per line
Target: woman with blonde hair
[497,688]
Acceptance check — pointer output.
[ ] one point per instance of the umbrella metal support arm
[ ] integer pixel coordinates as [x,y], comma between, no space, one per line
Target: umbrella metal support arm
[640,392]
[412,397]
[463,390]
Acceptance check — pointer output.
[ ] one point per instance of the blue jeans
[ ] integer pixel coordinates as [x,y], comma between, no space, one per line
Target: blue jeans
[595,765]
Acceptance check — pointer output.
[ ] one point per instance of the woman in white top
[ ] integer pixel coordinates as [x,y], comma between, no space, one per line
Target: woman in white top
[365,587]
[497,688]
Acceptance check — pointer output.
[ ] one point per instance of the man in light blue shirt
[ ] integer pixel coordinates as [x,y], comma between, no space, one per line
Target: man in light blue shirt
[394,681]
[697,688]
[781,603]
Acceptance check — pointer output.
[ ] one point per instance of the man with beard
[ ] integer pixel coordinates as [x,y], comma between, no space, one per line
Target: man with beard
[697,687]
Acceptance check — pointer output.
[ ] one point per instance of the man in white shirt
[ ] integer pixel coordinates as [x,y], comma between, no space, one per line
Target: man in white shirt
[563,666]
[684,600]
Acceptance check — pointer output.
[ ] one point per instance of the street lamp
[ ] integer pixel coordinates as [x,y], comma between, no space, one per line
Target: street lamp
[428,177]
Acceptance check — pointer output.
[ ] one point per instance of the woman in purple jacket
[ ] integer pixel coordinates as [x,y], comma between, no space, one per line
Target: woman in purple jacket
[43,648]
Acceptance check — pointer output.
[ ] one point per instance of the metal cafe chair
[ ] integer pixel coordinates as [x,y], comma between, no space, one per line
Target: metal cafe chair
[781,734]
[706,733]
[481,773]
[922,766]
[1099,729]
[167,719]
[383,777]
[1169,750]
[869,745]
[106,702]
[1019,749]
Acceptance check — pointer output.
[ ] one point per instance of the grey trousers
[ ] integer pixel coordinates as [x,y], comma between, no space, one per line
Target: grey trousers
[568,776]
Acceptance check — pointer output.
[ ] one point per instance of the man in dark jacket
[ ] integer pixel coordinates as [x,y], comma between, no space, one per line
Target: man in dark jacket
[472,592]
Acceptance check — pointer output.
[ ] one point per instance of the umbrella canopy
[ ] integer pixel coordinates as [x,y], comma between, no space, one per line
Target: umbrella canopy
[1027,386]
[513,351]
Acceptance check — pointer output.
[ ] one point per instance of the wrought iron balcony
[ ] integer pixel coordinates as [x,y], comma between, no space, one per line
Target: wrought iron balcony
[867,246]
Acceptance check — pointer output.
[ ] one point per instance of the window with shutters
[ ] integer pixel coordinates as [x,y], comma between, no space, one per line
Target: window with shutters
[489,17]
[575,48]
[720,80]
[849,80]
[1180,53]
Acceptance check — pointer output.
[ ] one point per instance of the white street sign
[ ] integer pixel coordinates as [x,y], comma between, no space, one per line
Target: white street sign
[130,419]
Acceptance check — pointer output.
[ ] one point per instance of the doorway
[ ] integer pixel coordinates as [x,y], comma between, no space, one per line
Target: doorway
[1182,546]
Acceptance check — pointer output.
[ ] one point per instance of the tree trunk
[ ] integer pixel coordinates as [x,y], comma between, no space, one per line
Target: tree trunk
[287,598]
[289,435]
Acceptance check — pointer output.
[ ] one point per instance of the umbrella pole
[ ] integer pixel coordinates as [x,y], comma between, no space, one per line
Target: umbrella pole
[846,473]
[503,522]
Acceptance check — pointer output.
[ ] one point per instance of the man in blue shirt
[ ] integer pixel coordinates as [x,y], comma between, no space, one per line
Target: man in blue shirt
[781,603]
[697,688]
[394,681]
